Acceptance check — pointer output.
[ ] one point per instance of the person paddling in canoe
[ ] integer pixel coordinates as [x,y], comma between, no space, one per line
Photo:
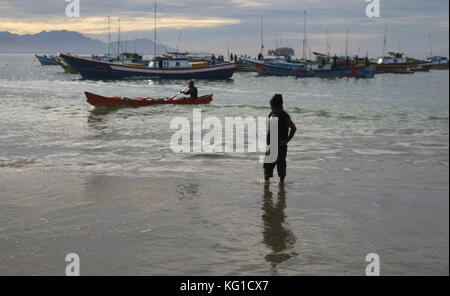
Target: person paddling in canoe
[286,130]
[192,90]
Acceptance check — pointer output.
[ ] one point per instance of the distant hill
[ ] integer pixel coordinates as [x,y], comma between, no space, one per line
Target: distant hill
[68,41]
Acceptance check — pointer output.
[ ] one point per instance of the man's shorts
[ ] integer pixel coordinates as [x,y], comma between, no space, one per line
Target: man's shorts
[280,163]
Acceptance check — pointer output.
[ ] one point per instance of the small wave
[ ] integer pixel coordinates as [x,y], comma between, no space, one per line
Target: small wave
[48,107]
[348,117]
[256,107]
[322,113]
[104,110]
[298,110]
[384,131]
[16,163]
[432,144]
[215,156]
[410,131]
[437,118]
[376,152]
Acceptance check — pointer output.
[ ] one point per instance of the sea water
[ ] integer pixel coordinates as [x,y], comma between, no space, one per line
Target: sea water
[367,173]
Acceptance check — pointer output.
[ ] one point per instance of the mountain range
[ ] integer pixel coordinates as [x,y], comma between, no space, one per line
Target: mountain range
[69,41]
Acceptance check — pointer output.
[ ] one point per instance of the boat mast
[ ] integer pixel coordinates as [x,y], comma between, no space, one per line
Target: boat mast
[262,41]
[431,48]
[304,36]
[109,36]
[384,44]
[328,45]
[118,42]
[154,51]
[346,42]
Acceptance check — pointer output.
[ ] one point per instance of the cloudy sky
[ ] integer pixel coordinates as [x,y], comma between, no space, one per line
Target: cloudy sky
[216,25]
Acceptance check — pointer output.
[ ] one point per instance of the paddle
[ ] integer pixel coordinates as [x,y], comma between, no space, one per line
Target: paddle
[181,91]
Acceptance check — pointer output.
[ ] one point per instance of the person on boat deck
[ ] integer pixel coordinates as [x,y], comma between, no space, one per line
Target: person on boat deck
[192,90]
[212,61]
[286,131]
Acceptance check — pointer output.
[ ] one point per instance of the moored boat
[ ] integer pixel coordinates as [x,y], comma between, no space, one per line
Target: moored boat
[394,62]
[46,60]
[67,68]
[243,66]
[165,67]
[324,69]
[438,63]
[268,68]
[99,101]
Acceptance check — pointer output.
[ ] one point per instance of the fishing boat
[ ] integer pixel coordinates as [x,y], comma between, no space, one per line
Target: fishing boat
[99,101]
[394,62]
[438,63]
[280,68]
[161,67]
[46,60]
[67,68]
[173,65]
[243,66]
[321,68]
[315,71]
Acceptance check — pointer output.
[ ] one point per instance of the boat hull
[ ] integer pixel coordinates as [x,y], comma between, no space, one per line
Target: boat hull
[101,101]
[92,69]
[291,69]
[439,66]
[264,68]
[46,61]
[362,72]
[394,68]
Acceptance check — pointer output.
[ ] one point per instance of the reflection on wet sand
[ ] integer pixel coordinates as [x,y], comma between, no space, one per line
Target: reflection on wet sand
[276,236]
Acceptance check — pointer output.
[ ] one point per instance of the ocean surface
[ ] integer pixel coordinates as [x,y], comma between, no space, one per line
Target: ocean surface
[368,172]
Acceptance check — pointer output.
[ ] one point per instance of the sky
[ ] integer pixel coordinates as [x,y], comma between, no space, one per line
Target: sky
[223,26]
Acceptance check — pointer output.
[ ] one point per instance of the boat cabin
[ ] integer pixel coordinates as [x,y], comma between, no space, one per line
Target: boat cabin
[172,60]
[392,58]
[436,60]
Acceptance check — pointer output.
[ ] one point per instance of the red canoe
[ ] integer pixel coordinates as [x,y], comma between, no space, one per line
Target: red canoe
[98,101]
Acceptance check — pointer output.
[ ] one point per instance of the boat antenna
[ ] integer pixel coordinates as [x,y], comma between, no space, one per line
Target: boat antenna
[154,52]
[109,36]
[328,45]
[262,43]
[304,36]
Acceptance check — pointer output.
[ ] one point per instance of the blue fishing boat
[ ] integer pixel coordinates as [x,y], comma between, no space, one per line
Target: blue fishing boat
[361,72]
[46,60]
[280,68]
[173,66]
[311,69]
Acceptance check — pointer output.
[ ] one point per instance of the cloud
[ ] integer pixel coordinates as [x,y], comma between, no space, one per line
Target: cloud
[219,22]
[99,25]
[249,3]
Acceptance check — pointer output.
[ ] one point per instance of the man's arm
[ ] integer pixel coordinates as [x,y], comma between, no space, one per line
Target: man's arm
[292,130]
